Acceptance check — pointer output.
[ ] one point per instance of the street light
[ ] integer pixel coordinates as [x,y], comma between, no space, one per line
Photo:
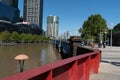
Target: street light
[105,38]
[100,39]
[111,34]
[111,38]
[105,35]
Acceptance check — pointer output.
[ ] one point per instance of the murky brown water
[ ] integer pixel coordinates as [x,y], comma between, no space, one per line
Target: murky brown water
[40,54]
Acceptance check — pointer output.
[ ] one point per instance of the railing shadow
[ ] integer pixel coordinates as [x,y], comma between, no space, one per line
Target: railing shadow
[111,62]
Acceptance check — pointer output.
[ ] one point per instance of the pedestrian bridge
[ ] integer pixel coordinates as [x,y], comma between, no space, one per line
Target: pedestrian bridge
[76,67]
[78,63]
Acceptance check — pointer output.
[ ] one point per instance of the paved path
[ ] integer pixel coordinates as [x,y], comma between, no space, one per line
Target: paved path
[110,65]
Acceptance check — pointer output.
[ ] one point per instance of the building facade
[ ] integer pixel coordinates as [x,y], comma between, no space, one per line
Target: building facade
[52,26]
[8,12]
[33,12]
[20,27]
[13,3]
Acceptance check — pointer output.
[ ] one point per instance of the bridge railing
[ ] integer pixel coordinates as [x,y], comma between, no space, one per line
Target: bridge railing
[75,68]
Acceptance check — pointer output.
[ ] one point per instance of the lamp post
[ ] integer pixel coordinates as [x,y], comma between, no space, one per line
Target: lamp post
[105,35]
[111,39]
[111,34]
[100,39]
[104,44]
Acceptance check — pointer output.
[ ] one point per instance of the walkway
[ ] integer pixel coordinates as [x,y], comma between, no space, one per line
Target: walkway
[110,64]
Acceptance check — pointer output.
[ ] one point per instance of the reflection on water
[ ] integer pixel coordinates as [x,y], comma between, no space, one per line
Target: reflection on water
[43,57]
[40,54]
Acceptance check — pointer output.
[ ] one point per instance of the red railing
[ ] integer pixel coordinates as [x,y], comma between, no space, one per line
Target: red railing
[75,68]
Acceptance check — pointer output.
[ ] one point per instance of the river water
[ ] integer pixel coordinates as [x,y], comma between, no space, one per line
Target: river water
[39,54]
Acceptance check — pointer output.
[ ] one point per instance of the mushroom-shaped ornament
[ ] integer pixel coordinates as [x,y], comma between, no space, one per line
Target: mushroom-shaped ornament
[21,58]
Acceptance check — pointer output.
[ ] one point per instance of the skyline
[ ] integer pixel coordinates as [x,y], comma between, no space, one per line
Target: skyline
[72,14]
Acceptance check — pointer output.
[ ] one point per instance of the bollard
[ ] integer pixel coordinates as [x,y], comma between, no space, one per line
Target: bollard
[21,58]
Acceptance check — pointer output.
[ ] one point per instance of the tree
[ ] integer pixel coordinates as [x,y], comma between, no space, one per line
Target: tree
[22,37]
[29,38]
[0,39]
[14,36]
[5,36]
[93,26]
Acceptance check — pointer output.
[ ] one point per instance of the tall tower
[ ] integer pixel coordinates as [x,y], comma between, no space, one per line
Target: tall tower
[52,26]
[33,11]
[9,10]
[13,3]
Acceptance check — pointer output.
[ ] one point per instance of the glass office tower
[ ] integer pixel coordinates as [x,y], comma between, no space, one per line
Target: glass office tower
[52,26]
[9,10]
[13,3]
[33,12]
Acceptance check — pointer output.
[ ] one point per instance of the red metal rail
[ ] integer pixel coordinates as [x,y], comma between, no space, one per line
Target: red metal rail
[74,68]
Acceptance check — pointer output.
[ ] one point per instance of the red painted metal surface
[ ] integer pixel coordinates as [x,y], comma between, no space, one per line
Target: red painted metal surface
[74,68]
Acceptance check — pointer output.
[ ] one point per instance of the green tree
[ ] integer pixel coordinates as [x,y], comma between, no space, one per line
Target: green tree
[14,36]
[36,38]
[45,38]
[5,36]
[22,37]
[93,26]
[0,39]
[29,38]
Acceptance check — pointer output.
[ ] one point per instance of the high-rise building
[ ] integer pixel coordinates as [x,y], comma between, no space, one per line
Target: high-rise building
[9,10]
[13,3]
[52,26]
[33,12]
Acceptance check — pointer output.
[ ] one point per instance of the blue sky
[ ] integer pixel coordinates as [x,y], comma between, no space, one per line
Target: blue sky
[72,13]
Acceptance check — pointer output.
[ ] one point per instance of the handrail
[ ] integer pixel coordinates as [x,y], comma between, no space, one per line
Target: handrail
[75,68]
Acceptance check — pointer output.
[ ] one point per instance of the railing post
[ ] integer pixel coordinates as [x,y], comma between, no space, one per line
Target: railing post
[74,71]
[49,76]
[86,68]
[96,62]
